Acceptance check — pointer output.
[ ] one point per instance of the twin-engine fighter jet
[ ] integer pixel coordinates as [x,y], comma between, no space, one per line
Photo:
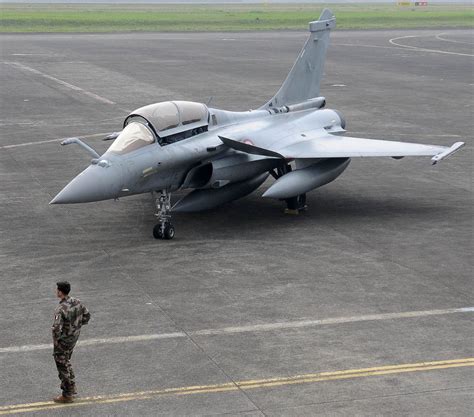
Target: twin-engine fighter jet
[223,155]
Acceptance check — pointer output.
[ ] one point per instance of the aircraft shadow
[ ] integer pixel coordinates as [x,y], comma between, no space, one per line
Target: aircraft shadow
[256,214]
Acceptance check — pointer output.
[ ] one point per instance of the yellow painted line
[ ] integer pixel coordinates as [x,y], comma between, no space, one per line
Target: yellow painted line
[243,385]
[352,371]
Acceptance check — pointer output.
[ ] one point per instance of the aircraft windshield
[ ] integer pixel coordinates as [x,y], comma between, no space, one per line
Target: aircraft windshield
[134,136]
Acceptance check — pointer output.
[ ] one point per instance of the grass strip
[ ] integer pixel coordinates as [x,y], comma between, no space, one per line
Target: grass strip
[250,17]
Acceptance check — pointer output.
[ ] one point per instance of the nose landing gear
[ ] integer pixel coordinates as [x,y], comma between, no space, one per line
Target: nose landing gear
[164,229]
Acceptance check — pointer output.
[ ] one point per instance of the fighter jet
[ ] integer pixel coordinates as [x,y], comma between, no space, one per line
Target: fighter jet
[224,155]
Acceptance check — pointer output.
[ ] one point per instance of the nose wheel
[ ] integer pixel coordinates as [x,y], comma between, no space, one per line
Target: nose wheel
[164,229]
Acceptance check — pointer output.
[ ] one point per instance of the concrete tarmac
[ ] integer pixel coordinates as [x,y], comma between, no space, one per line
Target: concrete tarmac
[374,279]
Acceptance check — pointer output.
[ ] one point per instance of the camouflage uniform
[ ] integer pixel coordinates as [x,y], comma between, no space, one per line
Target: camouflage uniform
[69,317]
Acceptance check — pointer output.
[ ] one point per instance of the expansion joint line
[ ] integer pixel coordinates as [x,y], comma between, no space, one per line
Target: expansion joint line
[236,384]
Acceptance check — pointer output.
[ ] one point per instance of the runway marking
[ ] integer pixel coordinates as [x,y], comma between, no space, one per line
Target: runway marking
[392,41]
[33,55]
[40,142]
[439,36]
[366,46]
[244,329]
[61,82]
[243,385]
[428,135]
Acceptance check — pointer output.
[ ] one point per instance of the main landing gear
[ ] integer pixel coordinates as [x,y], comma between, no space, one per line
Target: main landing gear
[164,229]
[294,205]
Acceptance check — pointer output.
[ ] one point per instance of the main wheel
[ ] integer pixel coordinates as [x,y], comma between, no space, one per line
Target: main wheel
[158,232]
[169,231]
[302,202]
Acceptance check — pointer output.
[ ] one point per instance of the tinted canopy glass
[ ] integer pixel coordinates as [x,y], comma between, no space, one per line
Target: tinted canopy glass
[134,136]
[191,112]
[164,116]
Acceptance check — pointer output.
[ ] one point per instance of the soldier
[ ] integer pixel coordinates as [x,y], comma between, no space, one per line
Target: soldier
[69,317]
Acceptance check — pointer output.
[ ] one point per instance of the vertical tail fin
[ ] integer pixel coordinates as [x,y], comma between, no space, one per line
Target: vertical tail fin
[303,81]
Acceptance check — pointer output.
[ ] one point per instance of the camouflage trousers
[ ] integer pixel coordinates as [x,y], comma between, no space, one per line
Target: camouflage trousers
[62,356]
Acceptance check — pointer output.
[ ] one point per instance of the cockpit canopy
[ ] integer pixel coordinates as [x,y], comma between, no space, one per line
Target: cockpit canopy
[168,122]
[171,117]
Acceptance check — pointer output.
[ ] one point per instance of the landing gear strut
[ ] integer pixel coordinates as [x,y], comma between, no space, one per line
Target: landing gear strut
[164,229]
[294,205]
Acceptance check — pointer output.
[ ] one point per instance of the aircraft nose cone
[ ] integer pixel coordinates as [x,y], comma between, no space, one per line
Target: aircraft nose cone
[95,183]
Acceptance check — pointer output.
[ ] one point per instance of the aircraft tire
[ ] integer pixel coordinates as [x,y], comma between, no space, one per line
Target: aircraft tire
[157,232]
[169,231]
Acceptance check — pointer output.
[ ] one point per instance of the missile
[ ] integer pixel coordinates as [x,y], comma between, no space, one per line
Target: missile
[303,180]
[209,198]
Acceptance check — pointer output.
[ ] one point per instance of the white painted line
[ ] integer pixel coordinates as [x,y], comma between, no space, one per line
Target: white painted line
[245,329]
[365,45]
[440,37]
[408,134]
[336,320]
[104,341]
[61,82]
[32,55]
[416,48]
[40,142]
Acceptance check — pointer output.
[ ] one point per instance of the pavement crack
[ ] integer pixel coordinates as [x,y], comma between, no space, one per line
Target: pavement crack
[216,364]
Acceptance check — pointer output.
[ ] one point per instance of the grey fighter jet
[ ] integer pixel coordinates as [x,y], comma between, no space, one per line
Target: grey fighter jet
[224,155]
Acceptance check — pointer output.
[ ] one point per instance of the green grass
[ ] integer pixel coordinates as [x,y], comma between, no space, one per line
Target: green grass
[250,17]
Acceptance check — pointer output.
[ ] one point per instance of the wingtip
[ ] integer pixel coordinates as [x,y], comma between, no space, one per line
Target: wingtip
[448,152]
